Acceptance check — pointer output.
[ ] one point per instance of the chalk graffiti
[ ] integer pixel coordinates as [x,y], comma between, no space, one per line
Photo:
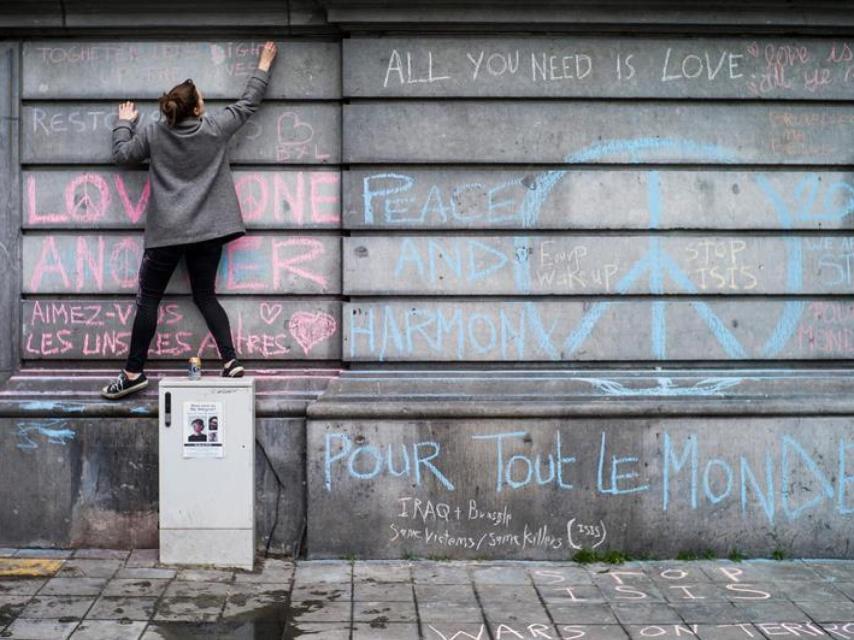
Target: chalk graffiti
[110,263]
[309,329]
[688,478]
[267,198]
[54,431]
[97,329]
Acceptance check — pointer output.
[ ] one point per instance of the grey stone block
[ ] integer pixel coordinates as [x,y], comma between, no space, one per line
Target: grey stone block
[315,611]
[279,133]
[825,612]
[382,571]
[204,607]
[380,613]
[26,629]
[323,572]
[441,612]
[259,263]
[80,567]
[135,587]
[579,613]
[496,66]
[704,477]
[548,132]
[643,614]
[109,630]
[57,68]
[382,592]
[435,198]
[389,631]
[58,607]
[73,587]
[543,330]
[321,592]
[94,198]
[122,607]
[279,328]
[21,586]
[774,612]
[563,264]
[101,554]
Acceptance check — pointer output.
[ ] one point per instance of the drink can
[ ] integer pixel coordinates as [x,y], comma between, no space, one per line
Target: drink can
[195,371]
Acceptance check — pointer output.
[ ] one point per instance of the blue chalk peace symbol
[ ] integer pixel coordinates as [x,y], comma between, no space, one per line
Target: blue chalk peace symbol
[656,263]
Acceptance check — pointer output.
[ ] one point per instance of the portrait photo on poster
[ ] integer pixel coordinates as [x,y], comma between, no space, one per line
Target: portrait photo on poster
[203,430]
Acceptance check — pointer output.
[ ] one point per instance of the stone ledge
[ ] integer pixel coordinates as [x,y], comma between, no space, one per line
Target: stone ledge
[542,393]
[76,392]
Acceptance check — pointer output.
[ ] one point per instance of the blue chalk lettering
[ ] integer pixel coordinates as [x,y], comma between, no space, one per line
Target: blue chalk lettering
[766,499]
[689,452]
[492,334]
[457,196]
[476,249]
[426,462]
[542,335]
[789,445]
[713,497]
[369,193]
[365,475]
[328,460]
[493,205]
[444,328]
[499,456]
[844,479]
[390,329]
[413,327]
[615,463]
[368,312]
[509,333]
[561,460]
[434,199]
[449,253]
[409,253]
[391,469]
[516,484]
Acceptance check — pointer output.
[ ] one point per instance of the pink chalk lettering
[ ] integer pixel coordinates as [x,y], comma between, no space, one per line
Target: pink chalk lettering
[236,264]
[81,206]
[270,311]
[123,312]
[315,249]
[124,262]
[33,216]
[49,262]
[95,263]
[287,201]
[318,180]
[252,193]
[134,211]
[310,329]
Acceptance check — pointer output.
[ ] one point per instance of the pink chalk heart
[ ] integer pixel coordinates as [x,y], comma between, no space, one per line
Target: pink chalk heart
[269,312]
[308,329]
[753,49]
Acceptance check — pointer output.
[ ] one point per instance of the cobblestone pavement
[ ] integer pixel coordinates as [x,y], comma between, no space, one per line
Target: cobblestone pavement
[97,594]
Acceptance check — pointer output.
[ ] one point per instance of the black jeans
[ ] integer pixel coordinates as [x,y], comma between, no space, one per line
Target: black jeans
[158,263]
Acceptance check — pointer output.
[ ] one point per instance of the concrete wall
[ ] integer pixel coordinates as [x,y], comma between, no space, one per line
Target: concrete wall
[291,256]
[430,210]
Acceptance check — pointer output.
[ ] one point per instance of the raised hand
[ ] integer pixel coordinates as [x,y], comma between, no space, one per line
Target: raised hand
[127,111]
[267,55]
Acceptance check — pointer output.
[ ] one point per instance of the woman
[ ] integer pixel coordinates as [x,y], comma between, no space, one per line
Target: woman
[193,209]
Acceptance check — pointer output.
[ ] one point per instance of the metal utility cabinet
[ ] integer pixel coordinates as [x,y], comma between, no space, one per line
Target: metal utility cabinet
[207,471]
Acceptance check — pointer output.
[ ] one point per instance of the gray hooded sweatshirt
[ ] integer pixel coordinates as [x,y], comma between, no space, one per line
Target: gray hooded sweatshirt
[192,190]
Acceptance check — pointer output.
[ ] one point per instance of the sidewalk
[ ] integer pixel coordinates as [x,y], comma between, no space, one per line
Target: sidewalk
[96,594]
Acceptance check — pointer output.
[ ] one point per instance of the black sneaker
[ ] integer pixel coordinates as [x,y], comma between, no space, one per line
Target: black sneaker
[234,370]
[123,386]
